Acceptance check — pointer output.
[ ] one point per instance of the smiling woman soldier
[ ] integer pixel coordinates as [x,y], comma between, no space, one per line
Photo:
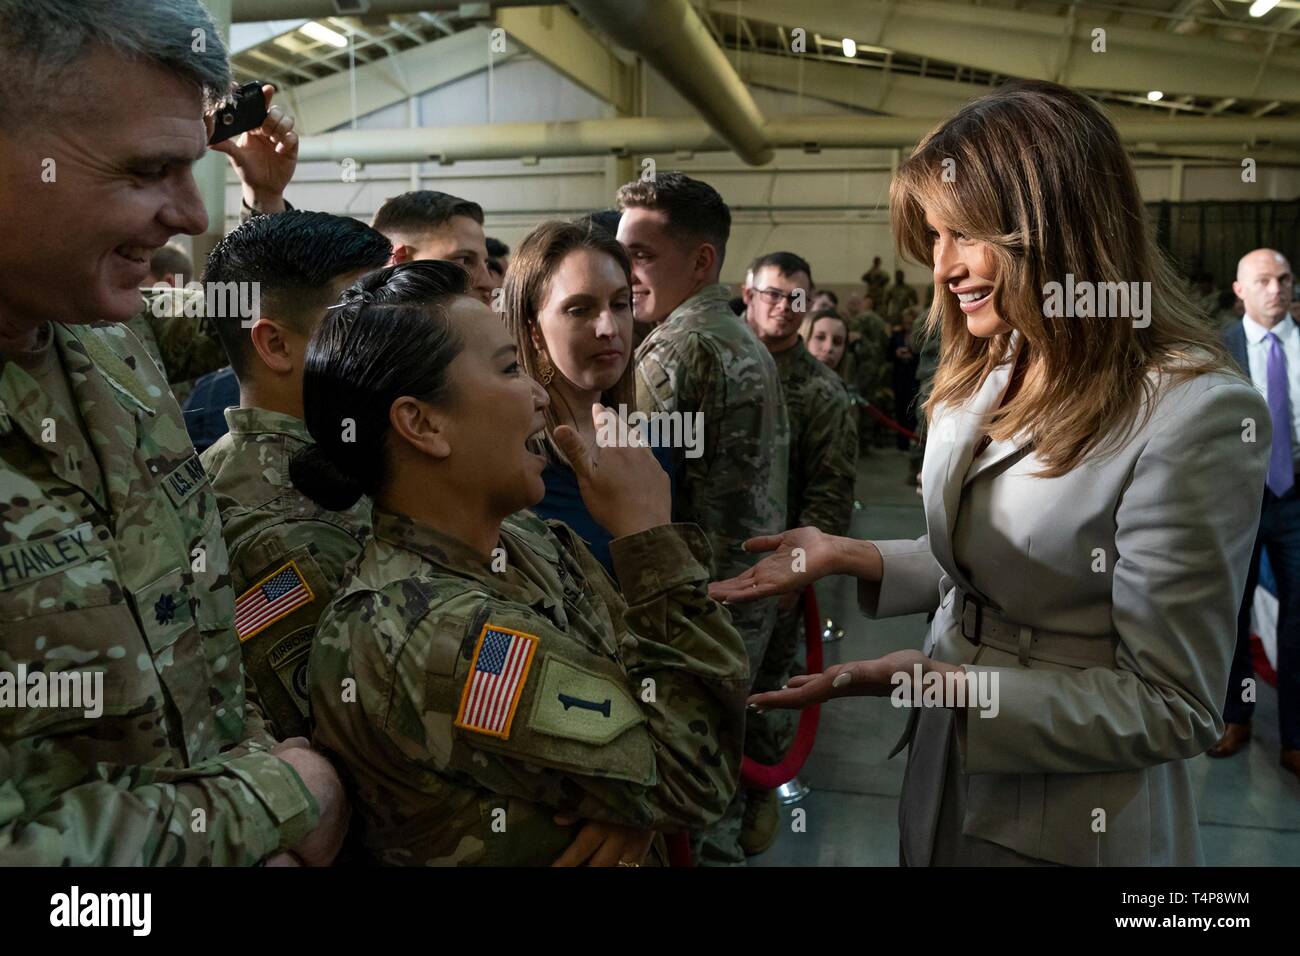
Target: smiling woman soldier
[480,673]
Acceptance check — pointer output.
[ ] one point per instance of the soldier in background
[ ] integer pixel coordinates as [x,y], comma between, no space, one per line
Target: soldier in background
[876,280]
[899,297]
[700,359]
[111,558]
[870,365]
[278,539]
[822,473]
[170,265]
[479,675]
[427,224]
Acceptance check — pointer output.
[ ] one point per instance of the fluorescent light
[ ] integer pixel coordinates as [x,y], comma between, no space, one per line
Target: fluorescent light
[1155,96]
[1261,7]
[324,34]
[850,47]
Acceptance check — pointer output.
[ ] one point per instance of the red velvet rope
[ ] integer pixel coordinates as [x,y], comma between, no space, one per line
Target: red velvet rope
[879,416]
[769,777]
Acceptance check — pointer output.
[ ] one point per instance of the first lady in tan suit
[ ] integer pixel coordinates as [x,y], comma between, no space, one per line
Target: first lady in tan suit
[1092,484]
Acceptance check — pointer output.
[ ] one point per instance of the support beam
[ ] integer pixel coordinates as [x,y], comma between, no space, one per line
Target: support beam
[245,10]
[670,36]
[565,44]
[862,88]
[325,103]
[646,135]
[1038,45]
[893,94]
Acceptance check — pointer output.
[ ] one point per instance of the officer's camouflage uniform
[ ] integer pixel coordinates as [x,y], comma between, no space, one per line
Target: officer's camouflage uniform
[823,471]
[278,536]
[112,564]
[630,708]
[702,358]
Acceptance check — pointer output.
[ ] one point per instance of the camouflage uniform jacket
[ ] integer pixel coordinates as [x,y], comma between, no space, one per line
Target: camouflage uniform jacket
[871,365]
[823,442]
[278,537]
[898,298]
[704,359]
[112,564]
[877,281]
[625,708]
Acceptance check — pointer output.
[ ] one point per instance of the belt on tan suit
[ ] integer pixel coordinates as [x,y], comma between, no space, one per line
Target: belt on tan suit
[981,624]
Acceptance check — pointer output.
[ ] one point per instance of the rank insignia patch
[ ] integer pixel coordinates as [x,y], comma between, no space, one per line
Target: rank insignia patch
[278,594]
[496,680]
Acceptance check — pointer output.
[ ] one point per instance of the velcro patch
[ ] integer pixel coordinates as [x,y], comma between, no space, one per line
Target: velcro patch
[580,704]
[184,480]
[496,680]
[274,597]
[53,554]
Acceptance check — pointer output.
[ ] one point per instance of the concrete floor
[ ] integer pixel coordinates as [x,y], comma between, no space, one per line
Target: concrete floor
[1249,807]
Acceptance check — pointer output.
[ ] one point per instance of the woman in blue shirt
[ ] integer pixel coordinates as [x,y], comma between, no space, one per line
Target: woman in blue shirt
[568,304]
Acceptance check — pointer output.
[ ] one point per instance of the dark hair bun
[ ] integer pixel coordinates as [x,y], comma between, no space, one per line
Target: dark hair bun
[317,477]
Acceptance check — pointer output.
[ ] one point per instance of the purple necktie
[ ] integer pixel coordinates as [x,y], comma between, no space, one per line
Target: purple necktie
[1281,468]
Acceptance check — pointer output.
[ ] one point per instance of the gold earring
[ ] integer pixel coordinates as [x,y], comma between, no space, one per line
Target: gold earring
[548,370]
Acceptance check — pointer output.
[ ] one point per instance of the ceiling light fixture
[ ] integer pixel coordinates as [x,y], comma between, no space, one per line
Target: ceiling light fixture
[324,34]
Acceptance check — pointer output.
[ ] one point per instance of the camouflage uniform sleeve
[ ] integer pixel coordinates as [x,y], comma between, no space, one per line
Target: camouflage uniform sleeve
[668,374]
[830,454]
[232,811]
[276,656]
[186,342]
[584,735]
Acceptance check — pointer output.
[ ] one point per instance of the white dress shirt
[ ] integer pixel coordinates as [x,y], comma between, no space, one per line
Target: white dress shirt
[1288,333]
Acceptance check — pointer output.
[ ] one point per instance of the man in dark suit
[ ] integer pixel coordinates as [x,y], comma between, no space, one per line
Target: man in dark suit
[1266,344]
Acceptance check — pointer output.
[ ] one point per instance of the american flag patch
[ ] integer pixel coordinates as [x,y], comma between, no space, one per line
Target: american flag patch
[496,680]
[279,593]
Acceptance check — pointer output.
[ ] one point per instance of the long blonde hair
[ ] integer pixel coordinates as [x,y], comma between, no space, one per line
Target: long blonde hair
[1038,173]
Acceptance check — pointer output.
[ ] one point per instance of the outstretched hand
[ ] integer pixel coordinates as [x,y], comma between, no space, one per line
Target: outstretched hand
[798,557]
[852,679]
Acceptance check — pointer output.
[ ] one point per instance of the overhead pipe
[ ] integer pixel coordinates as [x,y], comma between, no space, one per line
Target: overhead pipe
[640,136]
[670,36]
[254,10]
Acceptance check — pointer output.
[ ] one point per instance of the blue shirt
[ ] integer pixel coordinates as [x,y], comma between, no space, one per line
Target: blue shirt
[205,408]
[563,501]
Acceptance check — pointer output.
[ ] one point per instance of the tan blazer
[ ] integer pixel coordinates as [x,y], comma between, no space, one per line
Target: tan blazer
[1116,588]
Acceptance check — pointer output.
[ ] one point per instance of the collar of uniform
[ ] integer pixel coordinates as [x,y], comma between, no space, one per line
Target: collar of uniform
[460,559]
[710,296]
[433,545]
[255,421]
[82,350]
[786,358]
